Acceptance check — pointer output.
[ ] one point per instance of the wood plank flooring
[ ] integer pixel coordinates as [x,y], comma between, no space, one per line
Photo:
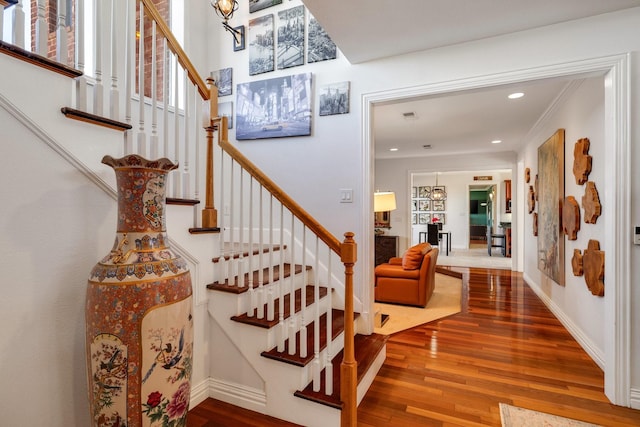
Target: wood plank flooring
[505,346]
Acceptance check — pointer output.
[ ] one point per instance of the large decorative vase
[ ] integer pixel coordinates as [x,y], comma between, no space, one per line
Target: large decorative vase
[138,310]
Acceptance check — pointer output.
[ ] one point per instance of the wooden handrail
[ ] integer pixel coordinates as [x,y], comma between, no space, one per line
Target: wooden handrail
[324,235]
[175,47]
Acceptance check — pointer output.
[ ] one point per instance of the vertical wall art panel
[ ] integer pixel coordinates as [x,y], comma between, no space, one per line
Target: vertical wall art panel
[274,108]
[224,81]
[550,198]
[261,45]
[291,37]
[320,47]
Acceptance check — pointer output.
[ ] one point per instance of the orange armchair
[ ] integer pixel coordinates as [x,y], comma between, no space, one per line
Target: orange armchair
[409,280]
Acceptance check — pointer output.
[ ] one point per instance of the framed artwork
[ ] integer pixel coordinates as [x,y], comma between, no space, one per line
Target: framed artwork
[414,205]
[290,37]
[224,81]
[424,218]
[225,109]
[274,108]
[334,99]
[438,205]
[238,39]
[550,197]
[414,219]
[424,191]
[424,205]
[256,5]
[414,192]
[320,47]
[261,45]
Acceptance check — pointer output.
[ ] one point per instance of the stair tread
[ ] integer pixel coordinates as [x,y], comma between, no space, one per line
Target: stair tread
[252,319]
[39,60]
[337,326]
[237,249]
[235,287]
[367,348]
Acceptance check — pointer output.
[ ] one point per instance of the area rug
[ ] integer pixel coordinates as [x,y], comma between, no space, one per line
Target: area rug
[513,416]
[445,301]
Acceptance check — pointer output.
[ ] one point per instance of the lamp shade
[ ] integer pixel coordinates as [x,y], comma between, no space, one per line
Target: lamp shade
[384,201]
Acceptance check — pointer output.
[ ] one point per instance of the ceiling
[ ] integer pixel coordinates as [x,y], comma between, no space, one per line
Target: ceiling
[467,121]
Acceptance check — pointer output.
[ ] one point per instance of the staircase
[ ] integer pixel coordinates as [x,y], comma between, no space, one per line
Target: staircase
[278,287]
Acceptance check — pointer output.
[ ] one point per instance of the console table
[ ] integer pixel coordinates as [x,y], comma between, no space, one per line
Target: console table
[386,247]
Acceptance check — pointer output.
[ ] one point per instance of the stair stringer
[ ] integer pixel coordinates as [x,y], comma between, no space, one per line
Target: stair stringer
[281,380]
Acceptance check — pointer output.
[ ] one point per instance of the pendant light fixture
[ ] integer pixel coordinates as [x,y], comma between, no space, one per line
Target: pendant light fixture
[438,193]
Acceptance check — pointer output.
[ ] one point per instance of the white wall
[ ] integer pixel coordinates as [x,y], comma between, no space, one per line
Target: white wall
[581,114]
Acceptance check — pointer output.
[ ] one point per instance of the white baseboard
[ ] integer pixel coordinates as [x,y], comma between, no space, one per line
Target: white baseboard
[199,393]
[634,398]
[238,395]
[573,329]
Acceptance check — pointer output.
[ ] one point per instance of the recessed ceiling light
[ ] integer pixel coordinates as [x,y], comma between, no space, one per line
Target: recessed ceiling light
[496,141]
[516,95]
[427,146]
[393,149]
[411,115]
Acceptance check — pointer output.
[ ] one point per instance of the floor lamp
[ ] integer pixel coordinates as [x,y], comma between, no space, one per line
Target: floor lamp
[383,203]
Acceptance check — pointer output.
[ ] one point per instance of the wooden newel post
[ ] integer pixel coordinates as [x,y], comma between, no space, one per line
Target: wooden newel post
[348,367]
[209,213]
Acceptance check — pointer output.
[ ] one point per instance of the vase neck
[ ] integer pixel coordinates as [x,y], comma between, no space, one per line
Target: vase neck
[141,200]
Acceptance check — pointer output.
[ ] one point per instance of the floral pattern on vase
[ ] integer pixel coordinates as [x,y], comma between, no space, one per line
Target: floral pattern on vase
[138,310]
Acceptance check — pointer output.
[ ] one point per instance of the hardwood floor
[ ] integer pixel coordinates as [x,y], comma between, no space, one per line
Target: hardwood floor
[505,346]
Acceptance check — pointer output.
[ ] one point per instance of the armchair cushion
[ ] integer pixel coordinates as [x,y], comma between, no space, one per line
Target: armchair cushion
[412,258]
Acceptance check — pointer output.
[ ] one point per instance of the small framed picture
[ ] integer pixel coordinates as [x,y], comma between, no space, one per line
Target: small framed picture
[424,191]
[438,205]
[238,40]
[414,218]
[414,192]
[424,205]
[424,218]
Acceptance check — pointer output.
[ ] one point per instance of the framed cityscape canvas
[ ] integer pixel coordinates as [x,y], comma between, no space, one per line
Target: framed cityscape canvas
[224,81]
[290,37]
[550,198]
[225,109]
[320,47]
[274,108]
[334,99]
[256,5]
[261,45]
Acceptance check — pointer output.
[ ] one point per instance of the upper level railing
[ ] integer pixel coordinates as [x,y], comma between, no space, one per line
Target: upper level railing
[142,77]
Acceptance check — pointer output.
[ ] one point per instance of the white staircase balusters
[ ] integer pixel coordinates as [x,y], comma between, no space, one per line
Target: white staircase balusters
[292,289]
[142,139]
[62,43]
[18,24]
[260,293]
[130,66]
[186,189]
[270,277]
[114,93]
[98,89]
[42,30]
[317,312]
[176,126]
[153,139]
[303,295]
[282,326]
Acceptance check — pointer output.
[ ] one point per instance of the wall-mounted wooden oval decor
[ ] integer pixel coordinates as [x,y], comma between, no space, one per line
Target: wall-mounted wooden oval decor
[576,263]
[531,199]
[535,186]
[593,264]
[571,217]
[527,175]
[581,161]
[535,223]
[591,203]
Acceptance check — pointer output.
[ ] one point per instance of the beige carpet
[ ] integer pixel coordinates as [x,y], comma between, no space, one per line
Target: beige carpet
[513,416]
[445,301]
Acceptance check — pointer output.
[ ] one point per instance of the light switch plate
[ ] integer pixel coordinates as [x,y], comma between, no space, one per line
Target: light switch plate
[346,195]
